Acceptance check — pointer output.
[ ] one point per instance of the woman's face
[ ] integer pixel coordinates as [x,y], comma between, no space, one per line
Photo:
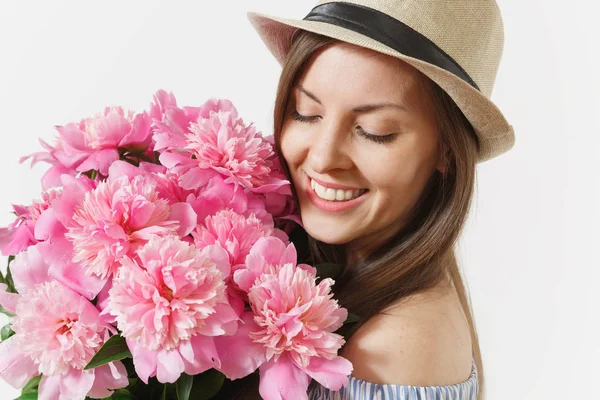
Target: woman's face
[361,141]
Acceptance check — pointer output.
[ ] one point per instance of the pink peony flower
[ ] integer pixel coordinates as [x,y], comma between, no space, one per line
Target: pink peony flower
[288,334]
[235,233]
[222,144]
[217,195]
[167,185]
[171,124]
[57,332]
[118,217]
[57,328]
[266,256]
[94,142]
[169,304]
[52,177]
[21,233]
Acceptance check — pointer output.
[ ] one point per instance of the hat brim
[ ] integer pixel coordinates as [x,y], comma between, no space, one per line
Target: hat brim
[495,134]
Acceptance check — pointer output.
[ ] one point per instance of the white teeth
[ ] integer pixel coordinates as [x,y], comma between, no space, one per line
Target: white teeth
[320,190]
[335,194]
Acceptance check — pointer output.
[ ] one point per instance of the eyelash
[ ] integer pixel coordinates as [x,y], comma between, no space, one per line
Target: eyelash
[375,138]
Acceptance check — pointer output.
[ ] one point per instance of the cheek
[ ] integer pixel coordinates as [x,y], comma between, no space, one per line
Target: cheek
[293,147]
[399,173]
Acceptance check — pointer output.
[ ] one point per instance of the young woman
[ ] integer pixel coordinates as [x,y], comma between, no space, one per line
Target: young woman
[381,115]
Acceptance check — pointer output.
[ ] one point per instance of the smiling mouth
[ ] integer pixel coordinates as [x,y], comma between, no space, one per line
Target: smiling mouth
[336,195]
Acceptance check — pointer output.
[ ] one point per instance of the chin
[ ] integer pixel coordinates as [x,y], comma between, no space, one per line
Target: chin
[327,235]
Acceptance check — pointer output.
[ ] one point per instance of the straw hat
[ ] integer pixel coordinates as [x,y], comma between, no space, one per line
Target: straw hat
[456,43]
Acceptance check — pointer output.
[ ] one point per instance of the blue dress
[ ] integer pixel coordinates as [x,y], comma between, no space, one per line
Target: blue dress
[362,390]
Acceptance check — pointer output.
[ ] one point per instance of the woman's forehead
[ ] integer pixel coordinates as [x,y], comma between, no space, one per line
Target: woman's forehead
[355,74]
[342,60]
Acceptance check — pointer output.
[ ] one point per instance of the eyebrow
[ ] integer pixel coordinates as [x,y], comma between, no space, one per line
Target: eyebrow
[359,109]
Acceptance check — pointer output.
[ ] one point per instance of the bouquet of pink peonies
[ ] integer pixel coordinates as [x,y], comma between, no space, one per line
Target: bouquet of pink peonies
[157,264]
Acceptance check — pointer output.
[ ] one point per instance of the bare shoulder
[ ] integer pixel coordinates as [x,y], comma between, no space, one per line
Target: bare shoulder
[423,341]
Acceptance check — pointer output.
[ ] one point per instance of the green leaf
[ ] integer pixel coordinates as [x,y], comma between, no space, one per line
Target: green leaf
[328,270]
[6,332]
[351,318]
[3,311]
[32,385]
[114,349]
[28,396]
[9,280]
[184,386]
[92,174]
[207,385]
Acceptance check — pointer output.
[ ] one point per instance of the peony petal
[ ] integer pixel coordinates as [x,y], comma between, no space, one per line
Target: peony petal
[52,177]
[140,130]
[49,388]
[144,360]
[107,378]
[222,322]
[8,300]
[196,177]
[170,366]
[76,384]
[14,241]
[219,256]
[73,276]
[121,168]
[48,226]
[15,367]
[333,374]
[172,159]
[29,268]
[72,135]
[199,354]
[282,380]
[239,354]
[100,161]
[186,216]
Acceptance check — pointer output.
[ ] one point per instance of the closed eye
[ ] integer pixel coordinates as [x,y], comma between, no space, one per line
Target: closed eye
[376,138]
[369,136]
[303,118]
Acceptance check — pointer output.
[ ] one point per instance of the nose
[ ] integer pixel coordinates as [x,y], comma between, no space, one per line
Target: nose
[329,150]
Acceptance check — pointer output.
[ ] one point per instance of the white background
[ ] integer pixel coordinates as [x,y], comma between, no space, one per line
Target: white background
[530,248]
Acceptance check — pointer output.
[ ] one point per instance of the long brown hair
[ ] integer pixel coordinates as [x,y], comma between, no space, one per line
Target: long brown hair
[422,254]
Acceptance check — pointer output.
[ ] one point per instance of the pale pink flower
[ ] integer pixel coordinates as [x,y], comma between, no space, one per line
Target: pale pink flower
[57,332]
[235,233]
[171,124]
[289,333]
[168,303]
[94,142]
[57,328]
[52,177]
[280,203]
[266,256]
[223,144]
[217,195]
[52,247]
[118,217]
[21,233]
[167,185]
